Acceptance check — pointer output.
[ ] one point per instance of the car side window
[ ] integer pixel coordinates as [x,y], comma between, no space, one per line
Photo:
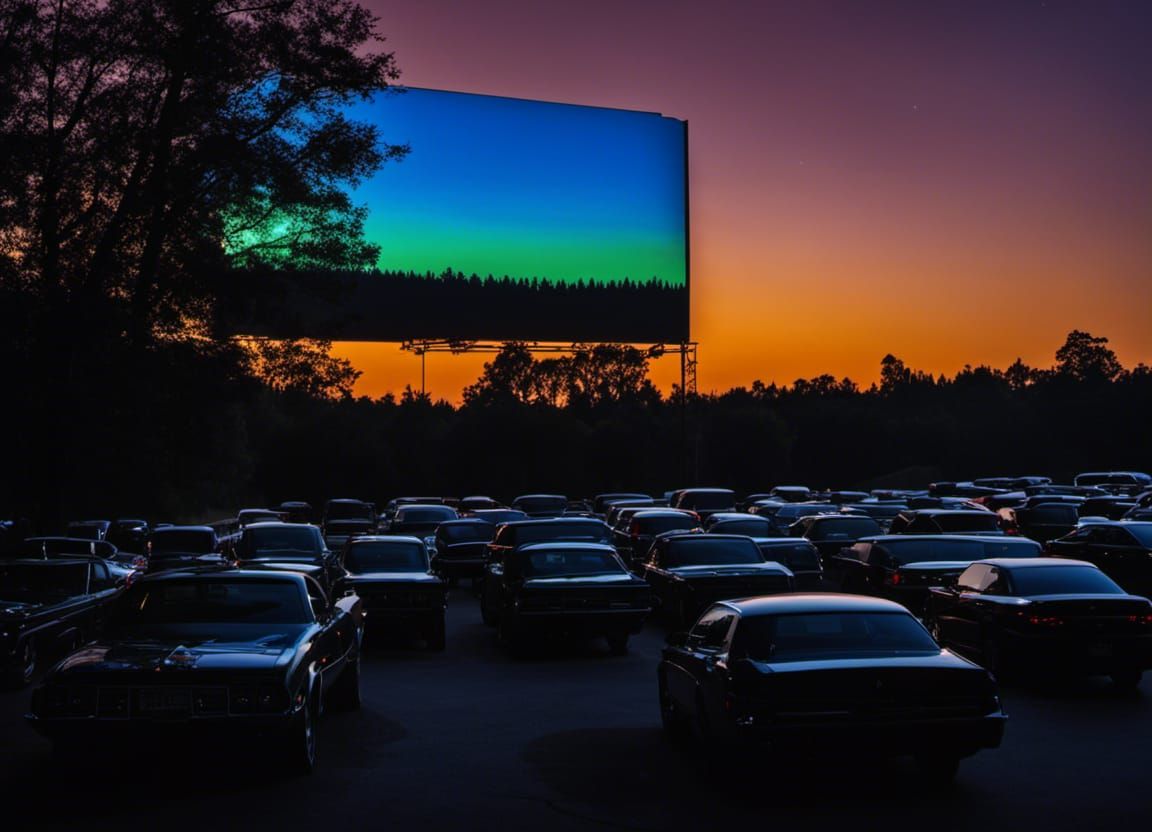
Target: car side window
[973,578]
[100,579]
[716,637]
[317,597]
[699,633]
[862,552]
[997,583]
[1118,537]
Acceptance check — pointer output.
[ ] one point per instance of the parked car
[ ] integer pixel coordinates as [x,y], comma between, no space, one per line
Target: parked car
[393,576]
[791,494]
[295,546]
[799,556]
[539,506]
[49,607]
[124,565]
[1041,522]
[88,529]
[789,513]
[601,502]
[830,533]
[815,673]
[704,501]
[883,512]
[688,572]
[904,567]
[178,547]
[510,536]
[239,655]
[420,520]
[469,504]
[295,511]
[1044,613]
[570,589]
[248,516]
[737,522]
[1111,507]
[459,548]
[1123,550]
[635,539]
[343,518]
[496,516]
[1117,482]
[129,534]
[946,521]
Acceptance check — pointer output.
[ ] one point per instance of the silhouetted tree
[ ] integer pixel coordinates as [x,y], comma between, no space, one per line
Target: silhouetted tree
[1085,358]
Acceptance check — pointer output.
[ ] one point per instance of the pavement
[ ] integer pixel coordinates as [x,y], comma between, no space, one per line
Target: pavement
[569,739]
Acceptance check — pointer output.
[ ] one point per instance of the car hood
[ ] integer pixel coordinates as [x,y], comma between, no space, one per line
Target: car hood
[258,654]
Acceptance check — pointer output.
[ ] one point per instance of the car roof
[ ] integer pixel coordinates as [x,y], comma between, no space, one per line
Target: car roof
[548,521]
[222,571]
[784,541]
[384,538]
[199,528]
[812,602]
[664,512]
[548,496]
[933,512]
[710,538]
[279,524]
[559,544]
[1032,563]
[411,506]
[935,538]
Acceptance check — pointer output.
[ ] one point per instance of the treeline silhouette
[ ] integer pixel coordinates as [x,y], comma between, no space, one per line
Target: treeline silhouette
[591,422]
[402,305]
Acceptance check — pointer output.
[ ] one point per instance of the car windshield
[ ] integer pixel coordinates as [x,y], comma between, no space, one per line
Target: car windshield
[386,556]
[832,635]
[943,549]
[846,528]
[708,500]
[279,540]
[183,542]
[466,532]
[793,556]
[709,551]
[752,527]
[1063,580]
[665,523]
[550,563]
[425,515]
[42,581]
[983,522]
[150,608]
[348,511]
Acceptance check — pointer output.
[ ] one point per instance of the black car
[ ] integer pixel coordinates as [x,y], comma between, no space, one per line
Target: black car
[123,565]
[791,493]
[1041,521]
[420,520]
[1044,613]
[739,522]
[601,502]
[690,571]
[48,607]
[1117,482]
[790,513]
[393,576]
[476,502]
[1110,508]
[946,521]
[511,536]
[496,516]
[634,537]
[1123,550]
[704,501]
[800,557]
[238,654]
[904,567]
[345,517]
[830,533]
[538,506]
[573,589]
[460,547]
[295,546]
[295,511]
[178,547]
[129,534]
[814,673]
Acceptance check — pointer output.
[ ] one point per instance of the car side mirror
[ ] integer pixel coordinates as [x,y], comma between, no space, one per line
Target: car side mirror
[678,639]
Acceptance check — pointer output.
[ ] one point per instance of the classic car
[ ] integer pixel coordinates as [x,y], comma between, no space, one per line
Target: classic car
[496,516]
[736,522]
[1117,482]
[903,568]
[541,505]
[601,502]
[393,576]
[704,501]
[1122,549]
[635,533]
[791,493]
[129,534]
[344,518]
[476,502]
[1042,521]
[420,520]
[296,546]
[688,572]
[1044,613]
[247,516]
[510,536]
[236,653]
[946,521]
[295,511]
[177,547]
[574,589]
[124,565]
[460,546]
[48,607]
[800,557]
[830,533]
[815,673]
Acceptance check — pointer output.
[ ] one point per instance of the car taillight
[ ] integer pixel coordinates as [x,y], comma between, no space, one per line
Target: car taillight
[1045,620]
[1142,620]
[893,579]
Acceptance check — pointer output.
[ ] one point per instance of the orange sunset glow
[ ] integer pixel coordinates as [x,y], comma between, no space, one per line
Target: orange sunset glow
[955,189]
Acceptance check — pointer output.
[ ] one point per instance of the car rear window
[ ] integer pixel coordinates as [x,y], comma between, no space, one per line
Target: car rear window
[550,563]
[425,515]
[593,532]
[1063,580]
[466,532]
[667,523]
[832,635]
[386,556]
[702,550]
[914,551]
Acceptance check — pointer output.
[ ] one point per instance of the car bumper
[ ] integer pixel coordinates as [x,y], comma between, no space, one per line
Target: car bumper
[959,736]
[460,568]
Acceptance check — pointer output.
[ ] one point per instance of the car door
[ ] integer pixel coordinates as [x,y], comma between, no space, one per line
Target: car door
[692,665]
[961,624]
[1127,559]
[327,654]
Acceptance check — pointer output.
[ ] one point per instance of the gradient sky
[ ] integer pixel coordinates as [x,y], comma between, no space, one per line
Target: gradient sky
[950,182]
[503,186]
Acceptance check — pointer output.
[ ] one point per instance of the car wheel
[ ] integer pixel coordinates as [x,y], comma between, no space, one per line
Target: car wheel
[436,636]
[937,769]
[345,694]
[300,742]
[618,643]
[24,666]
[1127,680]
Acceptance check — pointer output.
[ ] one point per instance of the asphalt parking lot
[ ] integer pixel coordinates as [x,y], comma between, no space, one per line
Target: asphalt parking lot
[570,739]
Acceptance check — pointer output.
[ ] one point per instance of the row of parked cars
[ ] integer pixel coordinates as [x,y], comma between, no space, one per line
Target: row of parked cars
[795,616]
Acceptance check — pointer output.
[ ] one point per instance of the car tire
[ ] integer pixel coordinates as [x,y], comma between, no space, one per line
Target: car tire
[23,665]
[436,635]
[937,769]
[300,741]
[1127,680]
[345,694]
[618,644]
